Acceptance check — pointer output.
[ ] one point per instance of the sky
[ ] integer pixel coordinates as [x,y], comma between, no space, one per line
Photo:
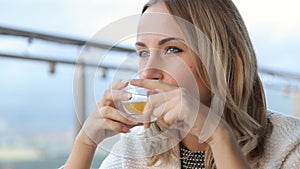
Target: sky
[273,24]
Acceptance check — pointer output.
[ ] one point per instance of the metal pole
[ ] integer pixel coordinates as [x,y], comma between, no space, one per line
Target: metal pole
[62,39]
[79,96]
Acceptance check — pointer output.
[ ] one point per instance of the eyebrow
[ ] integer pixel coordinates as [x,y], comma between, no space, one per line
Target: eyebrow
[161,42]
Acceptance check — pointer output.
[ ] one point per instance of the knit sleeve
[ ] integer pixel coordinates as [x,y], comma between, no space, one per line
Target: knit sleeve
[113,161]
[127,152]
[292,160]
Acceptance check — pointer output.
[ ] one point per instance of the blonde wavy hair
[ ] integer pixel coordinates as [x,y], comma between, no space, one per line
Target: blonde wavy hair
[245,107]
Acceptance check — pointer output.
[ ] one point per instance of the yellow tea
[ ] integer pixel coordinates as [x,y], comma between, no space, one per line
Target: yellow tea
[135,107]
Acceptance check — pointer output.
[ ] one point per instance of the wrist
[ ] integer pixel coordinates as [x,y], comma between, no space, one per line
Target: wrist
[222,135]
[224,145]
[84,139]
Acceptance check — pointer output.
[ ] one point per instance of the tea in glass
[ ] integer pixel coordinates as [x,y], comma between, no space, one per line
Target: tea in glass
[135,106]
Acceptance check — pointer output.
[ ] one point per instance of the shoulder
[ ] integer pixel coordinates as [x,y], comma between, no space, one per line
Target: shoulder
[281,143]
[279,118]
[285,128]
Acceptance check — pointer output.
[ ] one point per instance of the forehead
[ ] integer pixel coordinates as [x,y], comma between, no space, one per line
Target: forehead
[157,20]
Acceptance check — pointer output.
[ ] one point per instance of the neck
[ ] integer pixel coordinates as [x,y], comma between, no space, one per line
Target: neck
[191,143]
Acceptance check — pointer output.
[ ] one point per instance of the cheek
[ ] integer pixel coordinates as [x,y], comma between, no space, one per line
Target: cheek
[183,70]
[183,74]
[205,94]
[191,81]
[142,65]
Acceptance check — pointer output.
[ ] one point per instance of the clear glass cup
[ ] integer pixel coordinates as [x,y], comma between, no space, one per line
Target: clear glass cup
[135,106]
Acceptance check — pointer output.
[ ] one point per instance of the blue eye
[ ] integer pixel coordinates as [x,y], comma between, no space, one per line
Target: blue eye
[173,50]
[143,53]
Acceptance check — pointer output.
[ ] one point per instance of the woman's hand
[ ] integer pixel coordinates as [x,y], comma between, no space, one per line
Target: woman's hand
[174,106]
[106,120]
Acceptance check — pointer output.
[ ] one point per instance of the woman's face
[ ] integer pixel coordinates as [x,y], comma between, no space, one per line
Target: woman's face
[163,53]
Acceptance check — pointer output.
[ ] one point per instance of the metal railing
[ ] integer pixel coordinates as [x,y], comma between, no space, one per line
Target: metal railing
[80,80]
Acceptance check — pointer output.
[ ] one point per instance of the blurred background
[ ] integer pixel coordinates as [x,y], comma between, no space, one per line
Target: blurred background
[40,41]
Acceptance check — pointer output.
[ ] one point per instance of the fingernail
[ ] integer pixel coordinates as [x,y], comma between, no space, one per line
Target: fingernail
[134,80]
[131,119]
[125,129]
[124,81]
[146,125]
[127,95]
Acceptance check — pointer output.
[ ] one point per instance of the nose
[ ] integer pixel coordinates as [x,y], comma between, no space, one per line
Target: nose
[151,73]
[150,69]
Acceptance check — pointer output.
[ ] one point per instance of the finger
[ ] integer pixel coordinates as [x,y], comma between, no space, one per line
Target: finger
[169,116]
[162,109]
[162,97]
[158,112]
[116,115]
[113,95]
[152,84]
[147,112]
[118,95]
[117,126]
[161,122]
[120,84]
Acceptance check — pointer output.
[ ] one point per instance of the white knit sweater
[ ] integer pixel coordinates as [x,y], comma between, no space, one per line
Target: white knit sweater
[282,148]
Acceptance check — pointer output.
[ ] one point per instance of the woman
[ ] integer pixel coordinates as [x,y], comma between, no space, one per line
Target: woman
[219,59]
